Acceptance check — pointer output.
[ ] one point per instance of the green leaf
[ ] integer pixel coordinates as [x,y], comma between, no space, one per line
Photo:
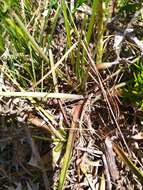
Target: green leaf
[1,44]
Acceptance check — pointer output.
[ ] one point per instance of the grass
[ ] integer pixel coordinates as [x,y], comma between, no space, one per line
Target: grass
[70,91]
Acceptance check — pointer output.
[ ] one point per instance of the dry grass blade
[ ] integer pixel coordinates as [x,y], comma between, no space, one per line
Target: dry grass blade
[107,173]
[69,146]
[104,92]
[43,95]
[102,183]
[55,81]
[42,124]
[57,64]
[111,159]
[128,162]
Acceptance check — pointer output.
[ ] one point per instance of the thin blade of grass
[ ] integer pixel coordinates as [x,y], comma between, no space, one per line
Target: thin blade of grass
[55,81]
[67,27]
[42,95]
[54,24]
[102,183]
[128,162]
[92,22]
[84,74]
[50,128]
[100,30]
[56,65]
[69,146]
[30,38]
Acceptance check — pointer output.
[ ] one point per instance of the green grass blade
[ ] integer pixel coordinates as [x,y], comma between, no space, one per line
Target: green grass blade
[67,27]
[69,147]
[92,21]
[100,31]
[30,38]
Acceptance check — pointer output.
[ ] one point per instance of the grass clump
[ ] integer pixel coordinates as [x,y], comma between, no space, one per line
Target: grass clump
[134,90]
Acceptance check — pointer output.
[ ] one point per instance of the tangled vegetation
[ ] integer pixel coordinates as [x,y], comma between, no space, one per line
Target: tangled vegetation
[71,94]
